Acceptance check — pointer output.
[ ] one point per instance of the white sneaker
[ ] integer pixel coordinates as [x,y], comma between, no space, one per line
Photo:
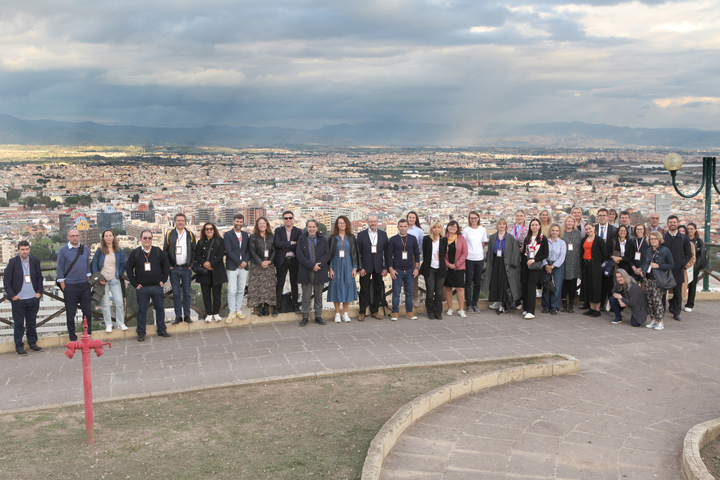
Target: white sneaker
[346,317]
[108,329]
[687,309]
[123,327]
[495,305]
[449,312]
[217,317]
[538,293]
[524,313]
[518,307]
[337,318]
[462,314]
[659,326]
[209,318]
[652,324]
[529,316]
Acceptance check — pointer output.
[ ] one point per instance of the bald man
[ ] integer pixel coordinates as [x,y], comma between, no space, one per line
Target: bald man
[73,271]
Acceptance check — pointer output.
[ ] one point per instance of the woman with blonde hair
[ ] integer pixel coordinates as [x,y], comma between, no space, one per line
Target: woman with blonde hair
[109,260]
[434,270]
[573,264]
[545,222]
[657,258]
[627,293]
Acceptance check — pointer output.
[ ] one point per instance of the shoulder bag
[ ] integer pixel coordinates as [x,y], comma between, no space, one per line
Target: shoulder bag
[664,278]
[199,269]
[80,251]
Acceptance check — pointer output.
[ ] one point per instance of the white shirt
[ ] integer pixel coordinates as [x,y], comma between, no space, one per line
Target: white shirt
[435,255]
[182,258]
[475,237]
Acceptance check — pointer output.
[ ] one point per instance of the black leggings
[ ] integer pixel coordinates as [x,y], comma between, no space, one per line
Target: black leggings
[569,289]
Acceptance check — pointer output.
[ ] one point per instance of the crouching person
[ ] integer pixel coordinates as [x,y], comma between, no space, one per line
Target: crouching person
[627,293]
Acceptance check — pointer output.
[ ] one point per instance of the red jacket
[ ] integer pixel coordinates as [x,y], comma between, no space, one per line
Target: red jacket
[461,253]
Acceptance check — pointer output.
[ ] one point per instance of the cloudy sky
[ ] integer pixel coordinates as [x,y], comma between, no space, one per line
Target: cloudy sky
[309,63]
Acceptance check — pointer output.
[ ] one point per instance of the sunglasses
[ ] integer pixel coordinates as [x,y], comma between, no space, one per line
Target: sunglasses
[147,238]
[287,218]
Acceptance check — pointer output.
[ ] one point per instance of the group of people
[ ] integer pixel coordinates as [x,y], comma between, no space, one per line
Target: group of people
[615,265]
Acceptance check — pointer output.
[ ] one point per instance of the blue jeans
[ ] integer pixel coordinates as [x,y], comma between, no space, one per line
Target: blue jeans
[616,308]
[144,294]
[473,276]
[178,276]
[236,288]
[404,278]
[553,301]
[24,314]
[113,287]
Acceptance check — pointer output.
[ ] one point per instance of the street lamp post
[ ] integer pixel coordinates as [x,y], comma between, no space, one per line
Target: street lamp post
[673,162]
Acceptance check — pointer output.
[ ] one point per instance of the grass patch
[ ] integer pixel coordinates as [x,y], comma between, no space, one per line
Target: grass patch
[318,428]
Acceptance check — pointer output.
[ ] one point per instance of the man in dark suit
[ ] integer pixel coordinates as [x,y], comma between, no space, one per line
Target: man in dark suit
[236,264]
[285,261]
[607,232]
[679,246]
[23,282]
[372,244]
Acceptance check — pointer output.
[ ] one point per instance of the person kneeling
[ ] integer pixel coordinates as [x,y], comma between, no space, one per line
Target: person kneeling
[627,293]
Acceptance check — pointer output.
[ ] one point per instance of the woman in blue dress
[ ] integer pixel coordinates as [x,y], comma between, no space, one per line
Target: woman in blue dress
[344,261]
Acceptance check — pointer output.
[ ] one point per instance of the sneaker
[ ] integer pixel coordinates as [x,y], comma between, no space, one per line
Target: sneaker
[230,318]
[462,314]
[616,321]
[337,318]
[411,316]
[416,303]
[538,293]
[652,324]
[346,317]
[495,305]
[394,317]
[35,348]
[20,351]
[209,318]
[659,326]
[529,316]
[239,315]
[500,311]
[123,327]
[108,328]
[450,311]
[519,307]
[217,317]
[687,309]
[524,313]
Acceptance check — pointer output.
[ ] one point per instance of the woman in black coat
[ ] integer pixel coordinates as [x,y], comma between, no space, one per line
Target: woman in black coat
[209,253]
[534,250]
[594,253]
[434,270]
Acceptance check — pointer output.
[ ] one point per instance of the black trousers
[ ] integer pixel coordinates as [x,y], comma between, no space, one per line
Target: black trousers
[607,286]
[290,264]
[529,281]
[473,277]
[73,294]
[212,298]
[371,292]
[675,304]
[569,289]
[692,290]
[434,285]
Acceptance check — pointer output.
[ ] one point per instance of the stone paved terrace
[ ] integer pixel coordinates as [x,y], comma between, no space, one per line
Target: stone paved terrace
[623,416]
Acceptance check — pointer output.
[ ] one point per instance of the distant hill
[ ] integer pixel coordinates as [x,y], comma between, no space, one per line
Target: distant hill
[572,135]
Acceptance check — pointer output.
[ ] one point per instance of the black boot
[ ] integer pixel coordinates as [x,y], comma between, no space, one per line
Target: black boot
[564,305]
[570,306]
[304,321]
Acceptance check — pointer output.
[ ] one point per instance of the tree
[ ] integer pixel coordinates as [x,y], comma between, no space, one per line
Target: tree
[42,253]
[119,231]
[151,205]
[4,203]
[135,198]
[13,194]
[322,228]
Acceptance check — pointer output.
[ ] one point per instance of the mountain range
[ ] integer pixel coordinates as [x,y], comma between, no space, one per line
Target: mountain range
[14,130]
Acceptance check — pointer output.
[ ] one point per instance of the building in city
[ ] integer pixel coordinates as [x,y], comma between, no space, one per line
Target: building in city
[108,221]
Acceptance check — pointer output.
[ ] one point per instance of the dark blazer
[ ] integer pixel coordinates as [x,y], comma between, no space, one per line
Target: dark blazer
[282,244]
[171,240]
[354,256]
[258,246]
[634,297]
[427,257]
[14,276]
[628,260]
[598,256]
[372,262]
[218,275]
[305,265]
[679,246]
[663,258]
[610,236]
[234,254]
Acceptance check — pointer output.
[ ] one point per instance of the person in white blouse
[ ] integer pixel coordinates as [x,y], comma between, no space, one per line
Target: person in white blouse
[476,238]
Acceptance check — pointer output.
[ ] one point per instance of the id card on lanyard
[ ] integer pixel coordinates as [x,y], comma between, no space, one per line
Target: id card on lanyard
[570,246]
[28,279]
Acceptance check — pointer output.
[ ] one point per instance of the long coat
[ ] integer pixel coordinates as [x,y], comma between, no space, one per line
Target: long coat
[573,258]
[218,275]
[599,255]
[512,266]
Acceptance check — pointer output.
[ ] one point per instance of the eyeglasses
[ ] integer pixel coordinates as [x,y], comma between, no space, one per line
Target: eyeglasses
[147,238]
[287,218]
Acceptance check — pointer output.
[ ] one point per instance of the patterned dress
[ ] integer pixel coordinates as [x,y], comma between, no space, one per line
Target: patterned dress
[261,281]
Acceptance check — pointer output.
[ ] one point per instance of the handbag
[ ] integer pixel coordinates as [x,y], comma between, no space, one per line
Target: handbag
[549,286]
[198,268]
[535,266]
[607,267]
[664,278]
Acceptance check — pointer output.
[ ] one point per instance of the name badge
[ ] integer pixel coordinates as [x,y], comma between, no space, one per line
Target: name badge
[570,247]
[342,253]
[404,256]
[373,248]
[178,250]
[241,257]
[148,267]
[637,255]
[267,253]
[499,253]
[27,279]
[531,254]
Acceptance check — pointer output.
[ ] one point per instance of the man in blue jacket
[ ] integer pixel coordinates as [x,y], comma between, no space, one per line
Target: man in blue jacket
[24,286]
[73,271]
[236,265]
